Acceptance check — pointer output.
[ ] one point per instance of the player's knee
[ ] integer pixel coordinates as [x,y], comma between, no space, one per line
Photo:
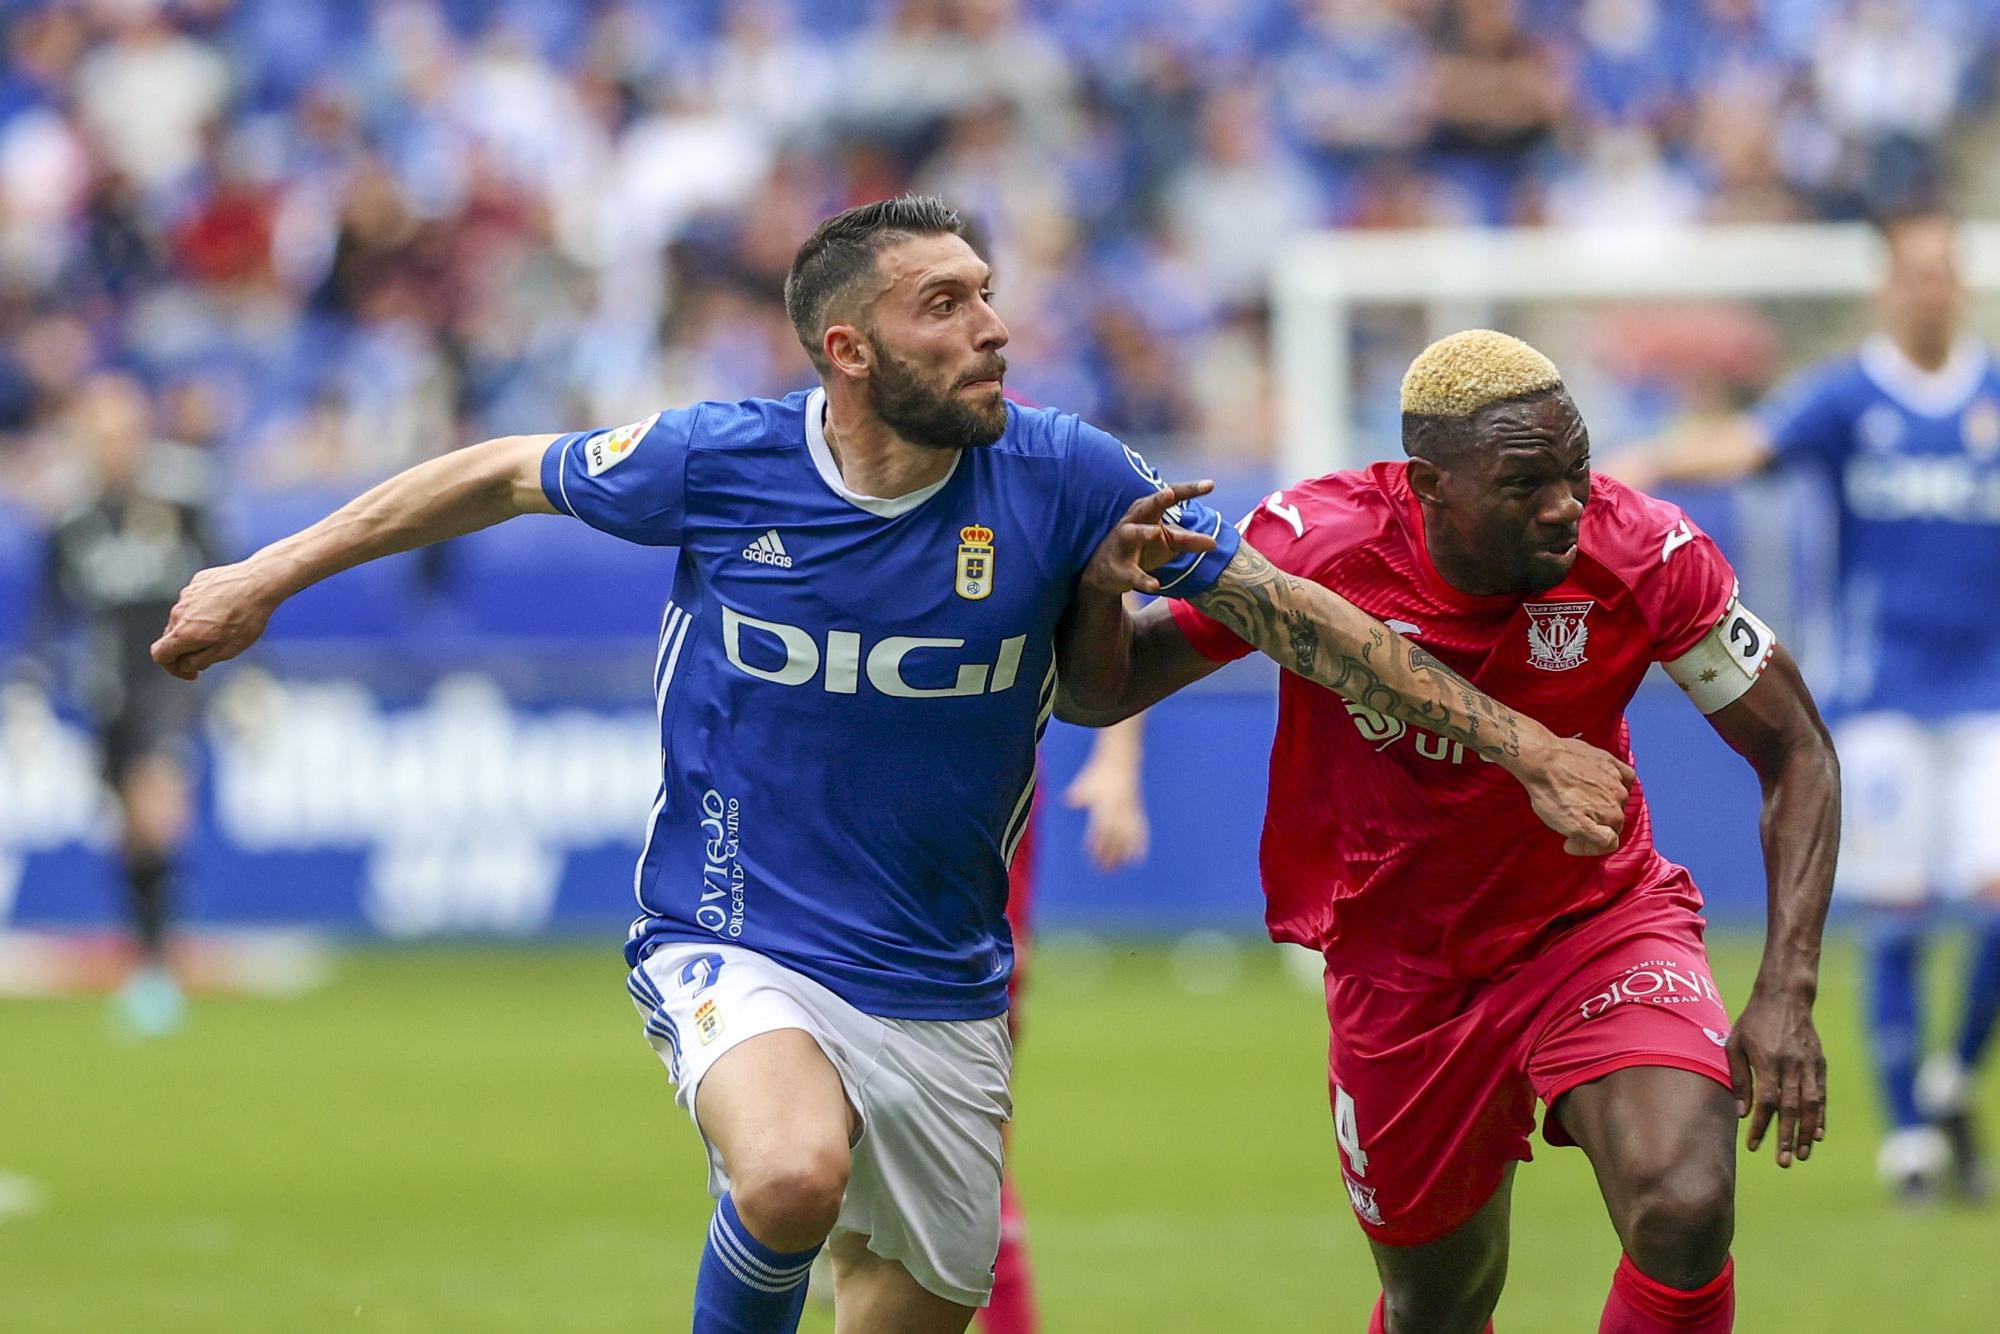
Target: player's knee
[1682,1221]
[790,1198]
[155,808]
[1446,1299]
[1425,1309]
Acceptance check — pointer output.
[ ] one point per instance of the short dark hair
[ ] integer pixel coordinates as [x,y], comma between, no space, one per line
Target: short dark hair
[842,250]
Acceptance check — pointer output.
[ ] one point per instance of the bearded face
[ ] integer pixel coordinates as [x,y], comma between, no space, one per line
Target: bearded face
[961,411]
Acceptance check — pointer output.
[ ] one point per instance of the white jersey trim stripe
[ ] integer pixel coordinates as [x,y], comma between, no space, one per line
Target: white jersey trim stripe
[665,662]
[1198,559]
[662,675]
[673,663]
[1020,807]
[645,851]
[562,480]
[666,631]
[1017,822]
[1017,828]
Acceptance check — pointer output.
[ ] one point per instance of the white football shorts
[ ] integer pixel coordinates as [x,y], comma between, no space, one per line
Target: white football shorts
[1920,807]
[932,1095]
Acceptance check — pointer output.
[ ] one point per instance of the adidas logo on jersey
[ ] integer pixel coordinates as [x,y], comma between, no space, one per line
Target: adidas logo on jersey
[769,550]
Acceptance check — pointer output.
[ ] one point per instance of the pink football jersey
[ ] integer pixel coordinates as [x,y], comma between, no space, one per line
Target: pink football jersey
[1395,851]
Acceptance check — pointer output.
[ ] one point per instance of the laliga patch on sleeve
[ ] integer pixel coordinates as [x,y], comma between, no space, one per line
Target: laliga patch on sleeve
[607,451]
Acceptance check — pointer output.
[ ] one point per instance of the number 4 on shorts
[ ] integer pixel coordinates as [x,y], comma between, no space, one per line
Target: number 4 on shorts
[1347,1133]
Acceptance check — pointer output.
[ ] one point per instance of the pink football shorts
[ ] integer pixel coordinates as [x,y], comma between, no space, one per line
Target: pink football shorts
[1434,1091]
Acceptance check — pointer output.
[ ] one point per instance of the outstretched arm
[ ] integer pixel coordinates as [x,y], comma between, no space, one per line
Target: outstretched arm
[1577,790]
[1712,450]
[1774,1050]
[224,609]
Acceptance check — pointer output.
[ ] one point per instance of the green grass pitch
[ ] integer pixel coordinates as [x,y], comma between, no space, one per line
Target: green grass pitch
[480,1140]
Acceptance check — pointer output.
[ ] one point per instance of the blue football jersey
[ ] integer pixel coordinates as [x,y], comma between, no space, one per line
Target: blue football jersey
[1913,459]
[850,689]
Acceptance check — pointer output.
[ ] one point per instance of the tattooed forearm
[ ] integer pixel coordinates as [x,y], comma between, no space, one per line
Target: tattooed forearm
[1294,619]
[1470,700]
[1305,641]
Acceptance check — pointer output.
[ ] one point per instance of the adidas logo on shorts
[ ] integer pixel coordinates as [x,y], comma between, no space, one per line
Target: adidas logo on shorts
[769,550]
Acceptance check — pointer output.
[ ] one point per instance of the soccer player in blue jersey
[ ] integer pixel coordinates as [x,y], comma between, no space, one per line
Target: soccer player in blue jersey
[1906,433]
[878,586]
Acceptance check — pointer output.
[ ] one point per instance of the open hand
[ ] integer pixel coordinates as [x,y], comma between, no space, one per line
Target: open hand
[220,613]
[1116,832]
[1779,1072]
[1143,540]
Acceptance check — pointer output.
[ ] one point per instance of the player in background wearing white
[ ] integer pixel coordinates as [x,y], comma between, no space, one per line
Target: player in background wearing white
[1905,432]
[875,583]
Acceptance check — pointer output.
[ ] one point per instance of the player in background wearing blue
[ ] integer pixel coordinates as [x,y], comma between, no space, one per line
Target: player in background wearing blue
[877,582]
[1906,433]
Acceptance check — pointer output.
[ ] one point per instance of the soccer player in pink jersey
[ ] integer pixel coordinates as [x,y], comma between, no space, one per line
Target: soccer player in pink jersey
[1471,967]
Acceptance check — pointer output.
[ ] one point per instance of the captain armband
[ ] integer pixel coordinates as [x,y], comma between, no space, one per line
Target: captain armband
[1728,660]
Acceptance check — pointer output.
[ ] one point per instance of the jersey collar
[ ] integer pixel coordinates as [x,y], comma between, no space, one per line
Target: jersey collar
[829,471]
[1938,393]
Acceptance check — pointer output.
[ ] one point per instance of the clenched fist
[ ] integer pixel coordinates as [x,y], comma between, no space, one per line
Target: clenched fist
[1580,792]
[220,613]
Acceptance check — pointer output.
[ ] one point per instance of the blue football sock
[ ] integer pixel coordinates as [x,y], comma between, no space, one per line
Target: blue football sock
[744,1286]
[1895,1028]
[1982,994]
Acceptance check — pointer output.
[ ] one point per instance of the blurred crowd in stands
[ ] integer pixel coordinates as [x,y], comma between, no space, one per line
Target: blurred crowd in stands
[333,237]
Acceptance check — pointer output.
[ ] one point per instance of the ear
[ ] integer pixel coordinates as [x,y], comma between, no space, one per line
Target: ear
[1427,480]
[847,350]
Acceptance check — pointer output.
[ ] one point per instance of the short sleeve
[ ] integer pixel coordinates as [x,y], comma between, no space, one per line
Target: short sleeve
[1106,476]
[1686,591]
[1276,531]
[1806,418]
[630,481]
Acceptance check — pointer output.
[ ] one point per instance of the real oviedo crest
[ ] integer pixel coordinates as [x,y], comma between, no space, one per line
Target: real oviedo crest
[1558,633]
[975,561]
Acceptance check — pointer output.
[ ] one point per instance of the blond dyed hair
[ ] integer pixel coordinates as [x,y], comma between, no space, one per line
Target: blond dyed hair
[1458,375]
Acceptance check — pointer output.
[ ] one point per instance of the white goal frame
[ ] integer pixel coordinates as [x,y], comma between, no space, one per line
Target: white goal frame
[1457,275]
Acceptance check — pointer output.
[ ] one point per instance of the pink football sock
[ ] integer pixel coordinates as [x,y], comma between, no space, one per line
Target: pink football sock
[1640,1305]
[1012,1310]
